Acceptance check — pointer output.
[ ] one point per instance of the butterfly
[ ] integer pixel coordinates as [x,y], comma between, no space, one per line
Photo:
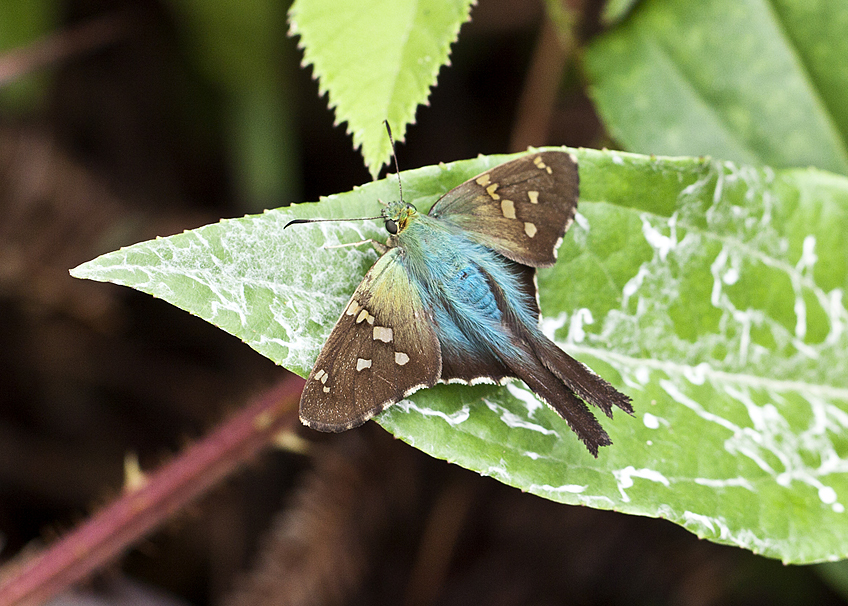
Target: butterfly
[453,299]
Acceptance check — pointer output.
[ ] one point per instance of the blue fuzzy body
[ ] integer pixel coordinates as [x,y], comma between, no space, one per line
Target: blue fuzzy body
[450,271]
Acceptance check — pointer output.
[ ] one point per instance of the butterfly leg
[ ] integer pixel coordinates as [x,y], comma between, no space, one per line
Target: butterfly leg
[378,246]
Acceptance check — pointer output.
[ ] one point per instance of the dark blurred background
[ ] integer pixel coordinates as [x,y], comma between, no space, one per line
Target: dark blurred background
[121,120]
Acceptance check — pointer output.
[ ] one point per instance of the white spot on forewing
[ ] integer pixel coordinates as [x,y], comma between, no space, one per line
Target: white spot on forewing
[383,333]
[525,396]
[362,364]
[530,229]
[401,358]
[508,209]
[510,419]
[625,476]
[534,197]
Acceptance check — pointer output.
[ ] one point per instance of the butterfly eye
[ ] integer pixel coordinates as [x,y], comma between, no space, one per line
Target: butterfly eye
[391,226]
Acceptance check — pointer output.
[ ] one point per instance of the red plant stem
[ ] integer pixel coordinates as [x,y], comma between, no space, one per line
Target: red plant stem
[165,492]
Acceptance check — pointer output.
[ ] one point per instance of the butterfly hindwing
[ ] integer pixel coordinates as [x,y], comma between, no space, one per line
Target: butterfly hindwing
[382,348]
[520,209]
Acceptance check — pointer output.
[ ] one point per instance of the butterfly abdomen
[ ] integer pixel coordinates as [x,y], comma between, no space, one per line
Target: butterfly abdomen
[471,287]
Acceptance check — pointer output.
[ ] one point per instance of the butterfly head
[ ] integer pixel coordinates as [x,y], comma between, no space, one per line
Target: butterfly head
[398,216]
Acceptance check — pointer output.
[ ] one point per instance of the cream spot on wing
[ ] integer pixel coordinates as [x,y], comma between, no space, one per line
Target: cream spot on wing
[325,377]
[384,334]
[530,229]
[320,374]
[326,390]
[508,209]
[362,315]
[362,363]
[539,162]
[491,191]
[352,308]
[401,358]
[483,180]
[548,168]
[534,197]
[370,319]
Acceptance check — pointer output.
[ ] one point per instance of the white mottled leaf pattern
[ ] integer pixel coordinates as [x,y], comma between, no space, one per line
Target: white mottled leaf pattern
[713,294]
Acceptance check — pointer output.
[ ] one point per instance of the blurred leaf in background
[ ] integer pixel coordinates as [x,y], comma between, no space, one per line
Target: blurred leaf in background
[748,81]
[238,46]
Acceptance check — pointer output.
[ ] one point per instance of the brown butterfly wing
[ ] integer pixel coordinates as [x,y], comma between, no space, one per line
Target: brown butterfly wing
[382,348]
[521,208]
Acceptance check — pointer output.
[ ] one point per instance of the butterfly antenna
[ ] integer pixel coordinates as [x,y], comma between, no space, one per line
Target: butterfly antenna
[394,155]
[293,221]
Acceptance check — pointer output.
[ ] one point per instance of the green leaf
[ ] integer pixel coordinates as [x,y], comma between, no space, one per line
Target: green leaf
[745,80]
[377,59]
[712,293]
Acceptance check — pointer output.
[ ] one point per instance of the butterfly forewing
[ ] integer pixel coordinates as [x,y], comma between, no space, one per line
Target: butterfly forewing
[521,208]
[382,348]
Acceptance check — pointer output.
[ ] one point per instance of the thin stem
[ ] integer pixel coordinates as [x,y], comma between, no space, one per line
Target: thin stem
[112,530]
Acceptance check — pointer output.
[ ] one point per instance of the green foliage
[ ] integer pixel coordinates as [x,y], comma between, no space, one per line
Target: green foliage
[238,46]
[377,60]
[748,81]
[616,10]
[23,22]
[710,292]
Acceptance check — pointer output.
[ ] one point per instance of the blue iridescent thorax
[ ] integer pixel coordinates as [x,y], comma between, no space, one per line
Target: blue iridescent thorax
[458,278]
